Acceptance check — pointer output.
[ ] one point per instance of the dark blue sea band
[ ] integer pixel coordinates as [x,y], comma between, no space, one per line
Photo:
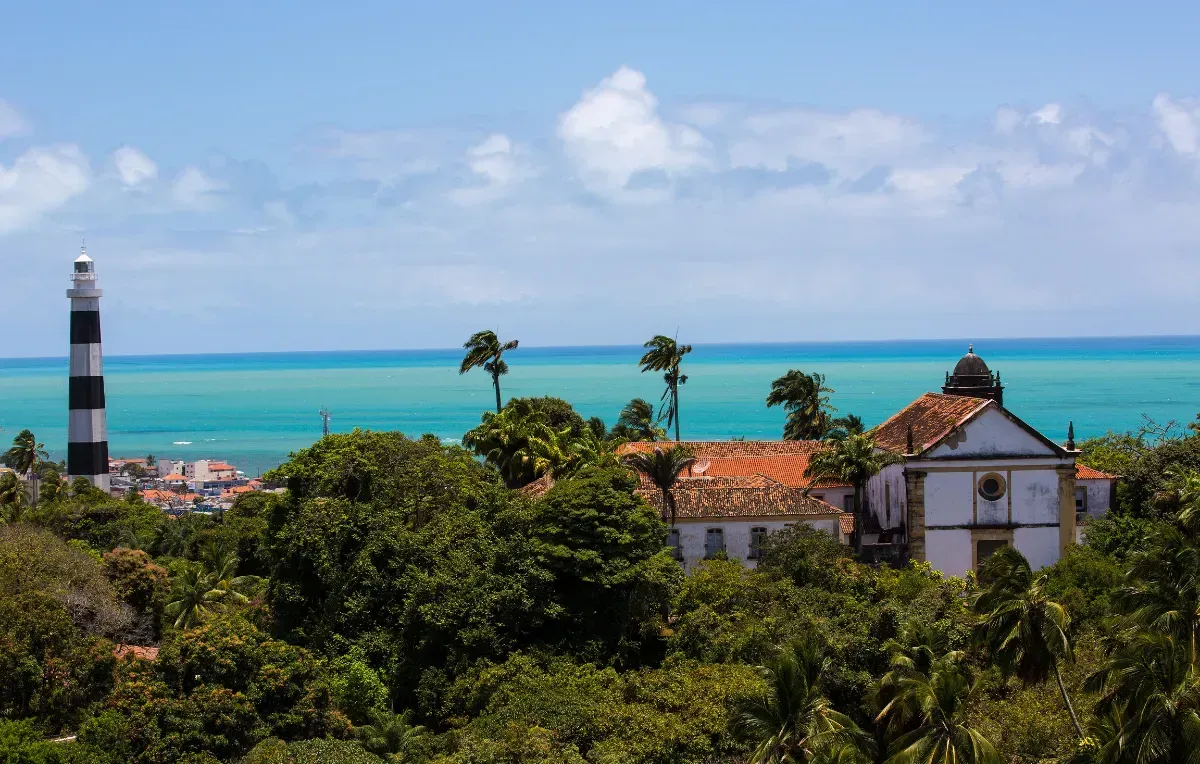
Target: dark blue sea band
[87,459]
[85,327]
[86,393]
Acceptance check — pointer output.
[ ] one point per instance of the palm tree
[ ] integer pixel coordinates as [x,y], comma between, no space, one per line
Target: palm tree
[912,654]
[662,467]
[804,397]
[637,422]
[593,451]
[1150,707]
[13,498]
[389,734]
[192,598]
[854,460]
[550,451]
[665,354]
[503,440]
[793,721]
[936,702]
[485,350]
[1025,631]
[24,457]
[842,426]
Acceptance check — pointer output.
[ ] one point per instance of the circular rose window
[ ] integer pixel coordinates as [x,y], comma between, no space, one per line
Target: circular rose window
[992,487]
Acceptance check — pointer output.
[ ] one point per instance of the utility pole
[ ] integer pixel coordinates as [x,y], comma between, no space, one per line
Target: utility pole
[325,415]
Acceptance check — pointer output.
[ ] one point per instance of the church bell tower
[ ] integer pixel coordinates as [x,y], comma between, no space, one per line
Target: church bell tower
[972,378]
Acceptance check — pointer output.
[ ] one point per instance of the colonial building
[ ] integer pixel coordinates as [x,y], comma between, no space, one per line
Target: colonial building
[738,492]
[974,478]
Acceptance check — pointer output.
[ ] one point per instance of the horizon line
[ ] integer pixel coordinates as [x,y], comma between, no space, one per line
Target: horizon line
[776,343]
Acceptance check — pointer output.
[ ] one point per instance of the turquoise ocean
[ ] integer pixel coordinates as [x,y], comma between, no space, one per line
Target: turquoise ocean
[253,409]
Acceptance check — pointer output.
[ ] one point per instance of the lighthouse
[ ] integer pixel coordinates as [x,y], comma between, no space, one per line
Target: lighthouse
[87,433]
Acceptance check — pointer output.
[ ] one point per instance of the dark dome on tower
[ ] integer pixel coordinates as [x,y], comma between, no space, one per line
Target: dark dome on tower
[971,365]
[972,377]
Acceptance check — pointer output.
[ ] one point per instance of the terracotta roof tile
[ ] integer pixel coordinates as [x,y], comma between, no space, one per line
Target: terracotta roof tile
[847,522]
[932,417]
[538,487]
[750,496]
[784,461]
[1084,472]
[135,651]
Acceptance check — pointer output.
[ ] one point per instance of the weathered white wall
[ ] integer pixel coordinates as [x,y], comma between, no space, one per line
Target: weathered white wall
[693,532]
[887,496]
[1035,496]
[1039,545]
[1098,496]
[949,551]
[989,512]
[991,434]
[948,498]
[835,496]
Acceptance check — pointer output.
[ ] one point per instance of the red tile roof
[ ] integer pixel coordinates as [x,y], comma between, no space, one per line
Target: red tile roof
[784,461]
[932,417]
[847,522]
[736,497]
[135,651]
[1084,472]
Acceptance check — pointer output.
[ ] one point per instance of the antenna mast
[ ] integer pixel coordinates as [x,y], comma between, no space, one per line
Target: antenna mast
[325,415]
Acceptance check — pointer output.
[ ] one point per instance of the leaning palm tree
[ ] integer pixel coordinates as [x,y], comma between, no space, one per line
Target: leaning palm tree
[24,457]
[662,467]
[805,399]
[854,460]
[793,722]
[1024,630]
[665,354]
[638,423]
[932,708]
[484,349]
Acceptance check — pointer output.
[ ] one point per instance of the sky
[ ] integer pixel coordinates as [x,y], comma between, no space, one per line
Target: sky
[309,176]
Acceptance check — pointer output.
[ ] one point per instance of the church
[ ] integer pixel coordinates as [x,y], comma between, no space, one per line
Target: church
[974,478]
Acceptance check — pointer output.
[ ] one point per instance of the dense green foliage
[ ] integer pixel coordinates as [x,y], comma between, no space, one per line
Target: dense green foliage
[401,602]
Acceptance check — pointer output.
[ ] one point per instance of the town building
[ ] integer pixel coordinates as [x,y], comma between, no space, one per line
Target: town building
[738,492]
[973,478]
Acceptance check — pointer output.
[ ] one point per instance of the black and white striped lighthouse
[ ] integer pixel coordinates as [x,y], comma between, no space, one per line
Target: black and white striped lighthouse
[87,433]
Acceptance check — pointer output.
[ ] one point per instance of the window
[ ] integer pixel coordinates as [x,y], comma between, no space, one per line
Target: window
[757,537]
[985,549]
[714,542]
[848,502]
[1081,500]
[992,487]
[673,544]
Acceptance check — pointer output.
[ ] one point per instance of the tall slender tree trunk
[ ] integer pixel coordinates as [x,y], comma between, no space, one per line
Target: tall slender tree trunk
[858,521]
[675,397]
[1067,700]
[496,384]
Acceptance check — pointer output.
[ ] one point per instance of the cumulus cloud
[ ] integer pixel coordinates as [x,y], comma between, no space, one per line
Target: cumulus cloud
[133,167]
[40,181]
[615,131]
[11,122]
[1179,121]
[194,189]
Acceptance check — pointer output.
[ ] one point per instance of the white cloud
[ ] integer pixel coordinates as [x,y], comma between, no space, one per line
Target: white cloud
[40,181]
[12,123]
[614,132]
[1050,114]
[195,190]
[1179,121]
[133,166]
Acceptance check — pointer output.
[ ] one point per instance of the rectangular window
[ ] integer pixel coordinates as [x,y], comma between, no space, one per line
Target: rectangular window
[714,542]
[1081,500]
[757,537]
[848,502]
[673,544]
[985,549]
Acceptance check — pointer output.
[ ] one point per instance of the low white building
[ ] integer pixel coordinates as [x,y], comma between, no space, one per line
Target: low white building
[974,478]
[738,492]
[1095,492]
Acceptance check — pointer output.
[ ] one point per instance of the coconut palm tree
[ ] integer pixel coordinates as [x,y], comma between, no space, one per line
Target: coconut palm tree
[389,734]
[24,457]
[193,599]
[665,354]
[912,654]
[484,349]
[793,721]
[1150,707]
[854,460]
[13,498]
[637,422]
[1024,630]
[805,398]
[662,467]
[503,440]
[936,703]
[842,426]
[221,568]
[550,450]
[593,451]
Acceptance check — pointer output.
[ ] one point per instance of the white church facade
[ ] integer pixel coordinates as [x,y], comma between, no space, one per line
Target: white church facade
[974,478]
